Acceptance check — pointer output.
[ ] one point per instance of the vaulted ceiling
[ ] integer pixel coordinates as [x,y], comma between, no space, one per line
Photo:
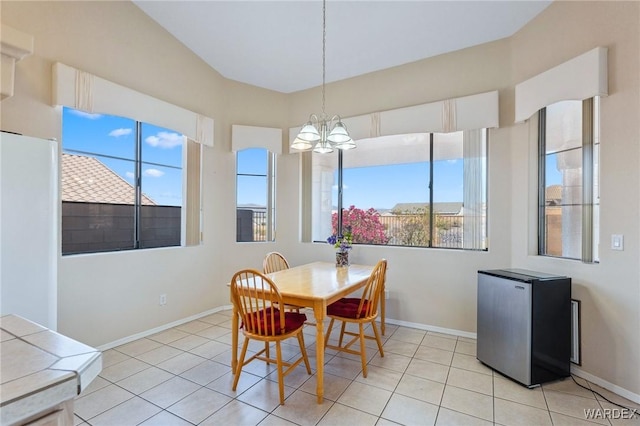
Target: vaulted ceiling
[278,44]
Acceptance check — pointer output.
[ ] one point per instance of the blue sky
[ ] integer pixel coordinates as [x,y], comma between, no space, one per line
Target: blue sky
[553,176]
[252,189]
[110,136]
[384,186]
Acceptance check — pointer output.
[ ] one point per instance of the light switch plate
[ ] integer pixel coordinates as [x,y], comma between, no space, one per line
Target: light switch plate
[617,242]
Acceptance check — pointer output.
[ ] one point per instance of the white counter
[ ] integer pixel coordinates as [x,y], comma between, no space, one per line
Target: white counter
[41,372]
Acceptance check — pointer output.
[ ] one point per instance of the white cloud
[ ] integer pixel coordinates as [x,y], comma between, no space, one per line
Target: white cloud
[452,161]
[120,132]
[165,140]
[83,114]
[153,173]
[130,175]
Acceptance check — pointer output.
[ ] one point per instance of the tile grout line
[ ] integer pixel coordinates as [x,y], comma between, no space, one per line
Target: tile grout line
[407,339]
[493,399]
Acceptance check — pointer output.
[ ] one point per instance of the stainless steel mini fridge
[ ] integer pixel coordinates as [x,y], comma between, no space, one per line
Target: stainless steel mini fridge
[524,324]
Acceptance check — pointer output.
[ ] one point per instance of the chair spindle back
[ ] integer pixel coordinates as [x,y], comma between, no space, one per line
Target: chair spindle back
[373,290]
[256,298]
[274,262]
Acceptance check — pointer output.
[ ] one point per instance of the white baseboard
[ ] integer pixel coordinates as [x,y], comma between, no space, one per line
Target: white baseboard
[161,328]
[164,327]
[430,328]
[574,369]
[607,385]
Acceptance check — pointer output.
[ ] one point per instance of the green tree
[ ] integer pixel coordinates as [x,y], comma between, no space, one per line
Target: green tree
[414,227]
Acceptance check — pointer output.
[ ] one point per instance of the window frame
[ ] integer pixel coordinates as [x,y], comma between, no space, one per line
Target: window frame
[270,208]
[430,245]
[590,178]
[138,162]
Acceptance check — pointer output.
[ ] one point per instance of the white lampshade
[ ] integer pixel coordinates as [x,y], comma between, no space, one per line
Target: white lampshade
[301,144]
[323,147]
[309,133]
[339,134]
[350,144]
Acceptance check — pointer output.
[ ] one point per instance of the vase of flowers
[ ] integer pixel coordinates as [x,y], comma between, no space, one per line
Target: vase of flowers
[342,244]
[342,259]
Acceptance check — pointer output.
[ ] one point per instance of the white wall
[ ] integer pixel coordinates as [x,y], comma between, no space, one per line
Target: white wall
[105,297]
[438,287]
[610,290]
[109,296]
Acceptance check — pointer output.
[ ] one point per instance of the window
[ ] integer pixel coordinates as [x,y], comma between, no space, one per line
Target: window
[255,186]
[421,190]
[569,198]
[122,184]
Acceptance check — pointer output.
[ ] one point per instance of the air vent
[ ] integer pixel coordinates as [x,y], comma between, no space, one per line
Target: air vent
[575,332]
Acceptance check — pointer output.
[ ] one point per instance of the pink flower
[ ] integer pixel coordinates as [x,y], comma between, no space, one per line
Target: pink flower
[364,225]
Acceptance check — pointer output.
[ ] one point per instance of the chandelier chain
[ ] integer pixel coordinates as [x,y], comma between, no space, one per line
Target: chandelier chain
[322,131]
[324,49]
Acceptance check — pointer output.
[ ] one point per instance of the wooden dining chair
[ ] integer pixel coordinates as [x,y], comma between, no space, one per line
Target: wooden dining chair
[274,262]
[256,299]
[361,311]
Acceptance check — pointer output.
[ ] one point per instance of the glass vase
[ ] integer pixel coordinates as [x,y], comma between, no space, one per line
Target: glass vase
[342,259]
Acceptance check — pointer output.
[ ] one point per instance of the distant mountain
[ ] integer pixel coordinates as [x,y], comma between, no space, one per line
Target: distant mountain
[381,210]
[441,208]
[251,206]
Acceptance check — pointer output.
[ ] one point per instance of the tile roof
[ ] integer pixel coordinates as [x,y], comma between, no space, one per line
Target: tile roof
[86,179]
[553,193]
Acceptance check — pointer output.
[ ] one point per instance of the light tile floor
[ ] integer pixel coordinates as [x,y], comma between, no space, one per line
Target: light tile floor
[182,376]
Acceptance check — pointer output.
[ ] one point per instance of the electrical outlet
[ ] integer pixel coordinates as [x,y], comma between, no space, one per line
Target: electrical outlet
[163,299]
[386,294]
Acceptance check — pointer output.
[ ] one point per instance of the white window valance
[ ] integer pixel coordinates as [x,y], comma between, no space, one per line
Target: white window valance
[580,78]
[243,137]
[80,90]
[451,115]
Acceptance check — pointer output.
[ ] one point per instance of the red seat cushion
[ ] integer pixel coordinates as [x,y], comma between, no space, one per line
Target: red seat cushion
[292,321]
[347,308]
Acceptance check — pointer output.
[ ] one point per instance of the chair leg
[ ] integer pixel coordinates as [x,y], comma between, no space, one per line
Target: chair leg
[304,351]
[378,340]
[382,309]
[363,351]
[280,375]
[266,351]
[344,326]
[245,345]
[326,338]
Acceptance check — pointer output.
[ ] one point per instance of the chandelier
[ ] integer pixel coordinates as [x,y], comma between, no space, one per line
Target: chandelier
[326,132]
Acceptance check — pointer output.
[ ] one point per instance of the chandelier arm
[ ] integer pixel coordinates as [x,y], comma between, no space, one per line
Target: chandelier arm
[334,120]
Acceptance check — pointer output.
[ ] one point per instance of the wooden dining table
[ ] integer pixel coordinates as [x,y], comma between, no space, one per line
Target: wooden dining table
[315,285]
